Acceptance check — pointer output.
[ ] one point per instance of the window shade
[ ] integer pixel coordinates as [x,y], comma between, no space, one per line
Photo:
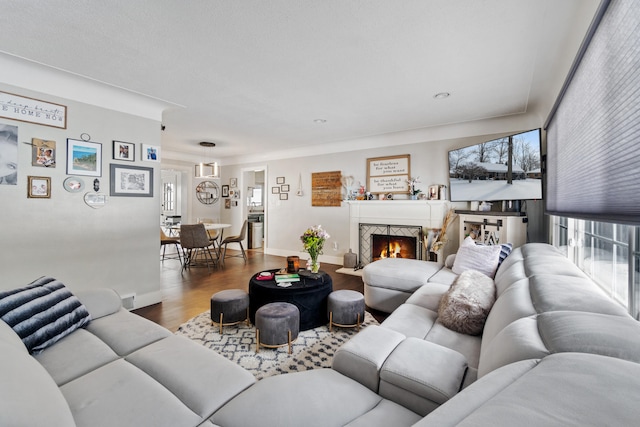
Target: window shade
[593,135]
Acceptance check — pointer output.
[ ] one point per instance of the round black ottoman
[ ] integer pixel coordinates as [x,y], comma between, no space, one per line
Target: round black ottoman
[345,309]
[277,324]
[229,307]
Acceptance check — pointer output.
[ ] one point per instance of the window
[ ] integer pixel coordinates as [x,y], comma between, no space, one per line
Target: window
[602,250]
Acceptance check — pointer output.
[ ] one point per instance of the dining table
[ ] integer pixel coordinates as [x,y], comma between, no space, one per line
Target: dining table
[218,226]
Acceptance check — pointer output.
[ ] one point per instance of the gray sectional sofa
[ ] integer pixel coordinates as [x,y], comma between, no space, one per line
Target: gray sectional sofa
[555,351]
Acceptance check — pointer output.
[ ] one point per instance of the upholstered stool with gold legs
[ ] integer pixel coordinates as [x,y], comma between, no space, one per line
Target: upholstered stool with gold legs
[229,307]
[277,324]
[345,309]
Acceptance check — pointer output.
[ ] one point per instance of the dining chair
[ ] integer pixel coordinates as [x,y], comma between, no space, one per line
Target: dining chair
[235,239]
[166,241]
[195,240]
[214,235]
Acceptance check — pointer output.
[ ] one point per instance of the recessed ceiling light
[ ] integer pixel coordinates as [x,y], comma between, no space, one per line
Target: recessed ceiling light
[441,95]
[320,121]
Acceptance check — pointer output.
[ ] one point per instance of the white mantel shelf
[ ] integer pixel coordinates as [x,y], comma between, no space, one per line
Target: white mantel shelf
[425,213]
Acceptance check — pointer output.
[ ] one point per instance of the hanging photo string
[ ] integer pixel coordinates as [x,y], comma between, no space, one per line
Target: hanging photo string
[299,192]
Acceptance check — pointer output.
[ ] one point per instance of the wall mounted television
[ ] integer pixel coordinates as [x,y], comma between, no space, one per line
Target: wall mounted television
[506,168]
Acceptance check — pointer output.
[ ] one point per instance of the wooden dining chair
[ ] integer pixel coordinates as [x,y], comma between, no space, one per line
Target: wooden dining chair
[235,239]
[195,241]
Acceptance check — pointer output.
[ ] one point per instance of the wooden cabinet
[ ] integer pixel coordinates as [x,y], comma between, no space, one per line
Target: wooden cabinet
[494,227]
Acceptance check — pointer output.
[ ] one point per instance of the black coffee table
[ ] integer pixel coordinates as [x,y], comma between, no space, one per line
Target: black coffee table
[309,295]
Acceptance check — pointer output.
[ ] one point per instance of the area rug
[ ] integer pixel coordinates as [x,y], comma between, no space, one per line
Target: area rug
[313,349]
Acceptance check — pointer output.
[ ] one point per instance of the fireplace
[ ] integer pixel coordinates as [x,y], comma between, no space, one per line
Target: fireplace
[389,241]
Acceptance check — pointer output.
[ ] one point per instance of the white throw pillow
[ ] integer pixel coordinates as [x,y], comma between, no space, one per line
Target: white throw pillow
[474,257]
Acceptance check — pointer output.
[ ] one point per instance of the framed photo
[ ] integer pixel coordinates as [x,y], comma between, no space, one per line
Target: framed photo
[280,180]
[227,203]
[236,194]
[234,203]
[131,181]
[43,153]
[275,190]
[39,187]
[284,196]
[233,182]
[232,193]
[284,188]
[73,184]
[225,191]
[124,151]
[32,110]
[84,158]
[95,200]
[433,192]
[150,153]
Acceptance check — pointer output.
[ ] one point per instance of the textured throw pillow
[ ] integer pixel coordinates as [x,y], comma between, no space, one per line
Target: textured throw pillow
[476,257]
[466,305]
[42,313]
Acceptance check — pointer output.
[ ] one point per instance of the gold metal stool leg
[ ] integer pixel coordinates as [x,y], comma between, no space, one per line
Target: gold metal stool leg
[289,341]
[330,321]
[257,340]
[221,323]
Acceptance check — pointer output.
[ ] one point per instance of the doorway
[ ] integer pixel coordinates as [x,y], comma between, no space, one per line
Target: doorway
[254,206]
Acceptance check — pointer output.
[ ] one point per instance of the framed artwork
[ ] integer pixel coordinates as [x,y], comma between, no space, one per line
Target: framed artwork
[284,188]
[236,194]
[95,200]
[388,174]
[275,190]
[225,191]
[150,153]
[131,181]
[124,151]
[84,158]
[39,187]
[280,180]
[233,182]
[234,203]
[43,153]
[32,110]
[433,192]
[232,193]
[284,196]
[227,203]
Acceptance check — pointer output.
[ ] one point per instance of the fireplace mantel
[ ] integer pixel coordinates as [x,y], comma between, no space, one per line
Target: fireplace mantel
[426,213]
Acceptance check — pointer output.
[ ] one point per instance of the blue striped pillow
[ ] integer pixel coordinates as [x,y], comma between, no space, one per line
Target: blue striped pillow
[42,313]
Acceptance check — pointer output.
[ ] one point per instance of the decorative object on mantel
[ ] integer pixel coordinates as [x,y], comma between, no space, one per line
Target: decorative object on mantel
[433,192]
[440,238]
[299,191]
[347,182]
[313,240]
[388,174]
[325,188]
[413,191]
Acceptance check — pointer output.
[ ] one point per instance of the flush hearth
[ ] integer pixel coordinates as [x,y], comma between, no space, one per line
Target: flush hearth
[379,241]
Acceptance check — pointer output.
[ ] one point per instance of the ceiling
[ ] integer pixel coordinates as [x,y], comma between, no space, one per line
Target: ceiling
[255,76]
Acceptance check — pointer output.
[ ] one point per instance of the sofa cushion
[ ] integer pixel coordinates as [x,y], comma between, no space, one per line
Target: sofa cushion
[474,257]
[28,395]
[42,313]
[466,305]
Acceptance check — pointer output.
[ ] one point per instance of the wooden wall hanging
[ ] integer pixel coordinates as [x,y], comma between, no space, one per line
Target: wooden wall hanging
[326,188]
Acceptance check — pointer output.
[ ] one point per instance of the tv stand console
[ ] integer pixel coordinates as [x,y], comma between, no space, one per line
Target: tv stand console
[492,228]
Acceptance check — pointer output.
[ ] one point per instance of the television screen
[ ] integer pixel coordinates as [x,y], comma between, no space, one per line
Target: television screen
[506,168]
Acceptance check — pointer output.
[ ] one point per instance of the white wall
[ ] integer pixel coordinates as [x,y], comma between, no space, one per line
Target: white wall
[116,246]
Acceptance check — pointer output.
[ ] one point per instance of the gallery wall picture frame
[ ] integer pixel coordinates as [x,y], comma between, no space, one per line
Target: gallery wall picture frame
[275,190]
[131,181]
[284,196]
[150,153]
[284,188]
[280,180]
[43,153]
[233,182]
[32,110]
[125,151]
[225,191]
[39,187]
[84,158]
[227,203]
[73,184]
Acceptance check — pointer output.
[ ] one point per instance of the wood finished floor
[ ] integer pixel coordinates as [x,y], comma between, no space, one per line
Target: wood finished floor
[187,294]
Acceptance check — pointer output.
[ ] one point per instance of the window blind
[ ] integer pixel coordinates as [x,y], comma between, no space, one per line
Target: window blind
[593,133]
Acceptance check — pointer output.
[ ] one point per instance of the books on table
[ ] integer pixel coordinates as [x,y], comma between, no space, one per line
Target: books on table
[284,277]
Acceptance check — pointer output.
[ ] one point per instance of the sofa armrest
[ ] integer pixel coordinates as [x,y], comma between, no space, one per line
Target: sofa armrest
[100,302]
[362,357]
[421,375]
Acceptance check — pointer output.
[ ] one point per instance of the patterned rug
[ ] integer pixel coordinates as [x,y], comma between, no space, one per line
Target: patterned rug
[312,350]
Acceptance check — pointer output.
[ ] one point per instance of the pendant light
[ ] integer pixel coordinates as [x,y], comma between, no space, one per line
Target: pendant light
[207,169]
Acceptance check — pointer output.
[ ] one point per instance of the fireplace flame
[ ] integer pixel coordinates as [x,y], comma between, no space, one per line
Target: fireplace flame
[392,252]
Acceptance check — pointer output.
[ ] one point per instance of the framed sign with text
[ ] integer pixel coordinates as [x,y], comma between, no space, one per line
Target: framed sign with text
[388,174]
[32,110]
